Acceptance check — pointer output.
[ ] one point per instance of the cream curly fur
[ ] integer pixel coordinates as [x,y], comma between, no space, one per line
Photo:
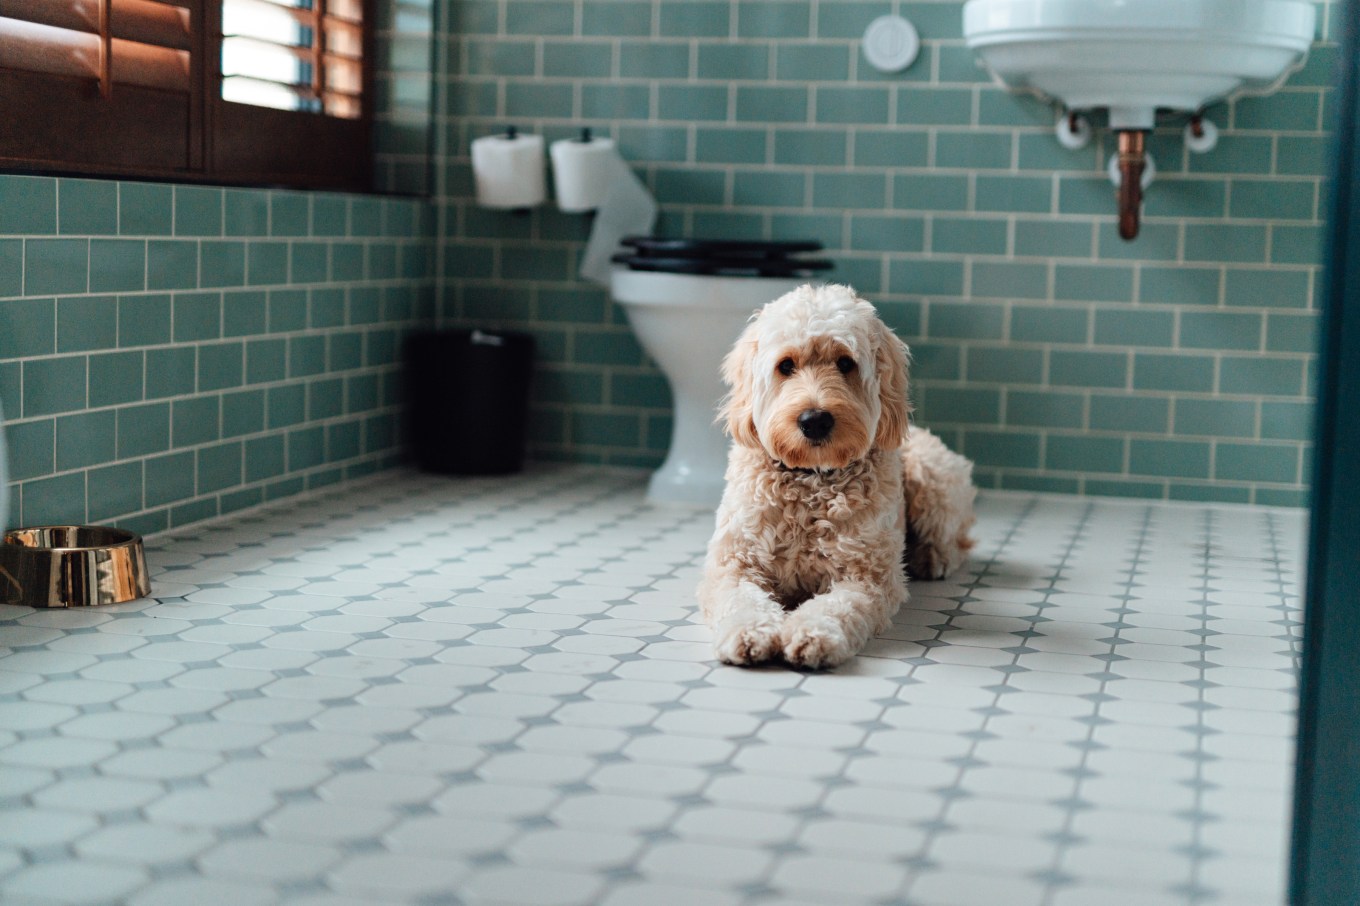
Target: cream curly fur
[806,561]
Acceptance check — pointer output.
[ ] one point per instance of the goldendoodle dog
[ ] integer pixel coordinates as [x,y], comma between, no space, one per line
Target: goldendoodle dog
[831,495]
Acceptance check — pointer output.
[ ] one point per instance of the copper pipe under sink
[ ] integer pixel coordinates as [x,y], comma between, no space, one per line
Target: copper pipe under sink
[1132,160]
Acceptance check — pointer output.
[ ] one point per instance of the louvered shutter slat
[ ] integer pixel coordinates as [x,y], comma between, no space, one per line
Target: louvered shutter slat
[143,21]
[150,40]
[118,88]
[301,55]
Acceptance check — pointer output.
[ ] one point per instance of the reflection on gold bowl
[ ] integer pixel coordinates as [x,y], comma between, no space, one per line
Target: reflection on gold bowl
[71,566]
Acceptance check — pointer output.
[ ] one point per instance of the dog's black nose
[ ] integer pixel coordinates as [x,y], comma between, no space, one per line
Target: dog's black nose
[816,424]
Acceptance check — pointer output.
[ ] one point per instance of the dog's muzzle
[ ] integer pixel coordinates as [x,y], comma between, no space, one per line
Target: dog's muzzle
[816,424]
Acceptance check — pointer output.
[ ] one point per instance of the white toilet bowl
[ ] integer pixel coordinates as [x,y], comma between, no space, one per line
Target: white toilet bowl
[687,323]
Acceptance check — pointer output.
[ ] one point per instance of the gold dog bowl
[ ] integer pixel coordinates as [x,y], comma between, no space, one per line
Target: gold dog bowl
[71,566]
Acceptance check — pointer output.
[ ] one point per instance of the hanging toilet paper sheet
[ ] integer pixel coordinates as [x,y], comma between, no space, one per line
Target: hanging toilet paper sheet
[627,209]
[509,170]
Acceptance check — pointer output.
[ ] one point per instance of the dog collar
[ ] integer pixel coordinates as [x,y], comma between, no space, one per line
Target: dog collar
[784,467]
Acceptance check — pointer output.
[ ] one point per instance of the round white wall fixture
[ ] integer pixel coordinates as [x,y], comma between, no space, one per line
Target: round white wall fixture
[1207,140]
[891,43]
[1073,130]
[1149,170]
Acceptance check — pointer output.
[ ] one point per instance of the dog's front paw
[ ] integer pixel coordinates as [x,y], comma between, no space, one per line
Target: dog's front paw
[748,641]
[930,563]
[815,642]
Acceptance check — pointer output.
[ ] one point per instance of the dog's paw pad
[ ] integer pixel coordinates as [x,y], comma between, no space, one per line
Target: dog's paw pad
[816,646]
[747,643]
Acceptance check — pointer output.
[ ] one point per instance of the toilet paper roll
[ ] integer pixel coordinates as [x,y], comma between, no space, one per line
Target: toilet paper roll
[581,172]
[509,170]
[628,209]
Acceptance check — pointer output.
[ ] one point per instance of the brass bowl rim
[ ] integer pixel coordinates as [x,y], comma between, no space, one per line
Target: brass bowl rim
[121,538]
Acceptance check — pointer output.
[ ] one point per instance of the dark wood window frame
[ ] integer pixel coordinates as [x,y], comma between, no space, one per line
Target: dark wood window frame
[109,126]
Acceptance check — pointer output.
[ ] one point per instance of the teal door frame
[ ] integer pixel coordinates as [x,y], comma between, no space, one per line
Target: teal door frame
[1325,857]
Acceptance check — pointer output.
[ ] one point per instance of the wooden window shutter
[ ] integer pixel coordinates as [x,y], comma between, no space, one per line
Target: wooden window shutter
[260,92]
[104,85]
[299,55]
[295,70]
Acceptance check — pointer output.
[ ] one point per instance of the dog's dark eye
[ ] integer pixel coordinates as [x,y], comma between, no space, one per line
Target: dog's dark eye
[786,367]
[845,364]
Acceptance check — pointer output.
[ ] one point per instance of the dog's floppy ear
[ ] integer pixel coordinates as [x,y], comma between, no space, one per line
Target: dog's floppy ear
[736,411]
[891,362]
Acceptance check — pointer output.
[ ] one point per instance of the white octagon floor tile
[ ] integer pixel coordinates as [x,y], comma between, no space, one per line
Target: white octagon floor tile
[410,689]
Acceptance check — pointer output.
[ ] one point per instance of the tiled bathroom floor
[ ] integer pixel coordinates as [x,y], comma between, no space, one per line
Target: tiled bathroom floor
[495,691]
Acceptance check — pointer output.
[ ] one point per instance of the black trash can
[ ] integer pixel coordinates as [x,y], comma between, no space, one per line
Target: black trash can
[468,400]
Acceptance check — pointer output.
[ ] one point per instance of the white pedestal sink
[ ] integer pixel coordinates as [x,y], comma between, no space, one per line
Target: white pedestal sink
[1133,57]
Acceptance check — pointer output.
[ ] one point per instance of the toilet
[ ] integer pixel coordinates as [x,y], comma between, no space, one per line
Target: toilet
[688,300]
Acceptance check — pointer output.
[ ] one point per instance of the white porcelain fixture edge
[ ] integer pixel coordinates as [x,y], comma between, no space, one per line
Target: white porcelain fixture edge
[687,323]
[891,43]
[1134,57]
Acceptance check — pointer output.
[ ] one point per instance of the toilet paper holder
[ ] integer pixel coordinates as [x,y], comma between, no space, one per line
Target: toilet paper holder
[508,171]
[589,178]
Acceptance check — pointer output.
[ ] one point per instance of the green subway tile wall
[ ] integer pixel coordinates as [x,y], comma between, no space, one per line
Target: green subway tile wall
[170,353]
[402,91]
[1056,355]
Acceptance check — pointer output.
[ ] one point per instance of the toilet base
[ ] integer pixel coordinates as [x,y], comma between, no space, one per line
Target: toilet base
[687,323]
[693,471]
[674,486]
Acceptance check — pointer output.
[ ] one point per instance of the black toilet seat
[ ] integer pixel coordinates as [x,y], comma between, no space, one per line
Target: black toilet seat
[721,257]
